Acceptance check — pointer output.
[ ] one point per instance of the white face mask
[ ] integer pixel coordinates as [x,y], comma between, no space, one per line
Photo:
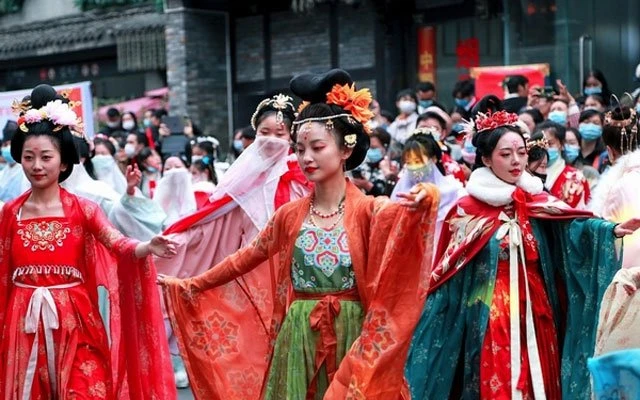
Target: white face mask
[128,125]
[113,124]
[103,163]
[130,150]
[195,159]
[406,106]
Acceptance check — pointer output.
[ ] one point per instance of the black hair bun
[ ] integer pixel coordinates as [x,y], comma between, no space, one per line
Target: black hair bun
[314,87]
[42,94]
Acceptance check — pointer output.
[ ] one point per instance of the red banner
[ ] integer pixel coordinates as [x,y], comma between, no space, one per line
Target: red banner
[489,80]
[427,54]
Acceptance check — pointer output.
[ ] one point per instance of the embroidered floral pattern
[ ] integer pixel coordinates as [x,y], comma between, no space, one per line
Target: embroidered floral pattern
[375,337]
[326,250]
[98,390]
[246,384]
[43,236]
[215,336]
[88,367]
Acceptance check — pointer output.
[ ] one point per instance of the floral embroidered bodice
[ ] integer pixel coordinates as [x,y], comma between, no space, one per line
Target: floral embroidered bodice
[46,251]
[321,261]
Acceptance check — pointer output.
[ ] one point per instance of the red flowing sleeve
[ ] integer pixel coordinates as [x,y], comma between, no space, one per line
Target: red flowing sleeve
[137,328]
[224,335]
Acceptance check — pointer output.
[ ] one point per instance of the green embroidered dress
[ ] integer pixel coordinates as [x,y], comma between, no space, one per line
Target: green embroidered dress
[321,266]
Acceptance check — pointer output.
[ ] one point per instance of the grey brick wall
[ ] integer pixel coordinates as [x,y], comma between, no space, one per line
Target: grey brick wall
[197,69]
[299,43]
[249,49]
[356,37]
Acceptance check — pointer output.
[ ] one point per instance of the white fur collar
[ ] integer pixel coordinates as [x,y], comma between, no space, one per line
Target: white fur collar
[488,188]
[606,183]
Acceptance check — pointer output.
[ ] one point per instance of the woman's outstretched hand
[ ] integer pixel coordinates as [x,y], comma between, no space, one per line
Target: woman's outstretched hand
[626,228]
[159,246]
[414,197]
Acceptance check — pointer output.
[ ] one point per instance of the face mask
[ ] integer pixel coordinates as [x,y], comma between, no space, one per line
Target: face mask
[457,128]
[128,125]
[152,170]
[198,178]
[237,145]
[638,108]
[426,103]
[406,106]
[543,177]
[195,159]
[130,150]
[571,152]
[6,154]
[112,125]
[462,102]
[374,155]
[146,122]
[588,91]
[103,163]
[559,117]
[554,154]
[590,132]
[417,174]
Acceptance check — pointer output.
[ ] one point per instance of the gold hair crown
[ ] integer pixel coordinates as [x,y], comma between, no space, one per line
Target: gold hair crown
[628,140]
[280,102]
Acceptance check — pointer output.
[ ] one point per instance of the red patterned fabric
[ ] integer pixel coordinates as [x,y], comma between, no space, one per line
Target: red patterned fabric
[572,187]
[85,241]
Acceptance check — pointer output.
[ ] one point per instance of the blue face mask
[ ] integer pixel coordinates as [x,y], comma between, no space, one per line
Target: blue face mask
[457,128]
[554,154]
[462,102]
[590,132]
[469,147]
[559,117]
[426,103]
[6,154]
[152,170]
[638,108]
[237,145]
[588,91]
[374,156]
[571,152]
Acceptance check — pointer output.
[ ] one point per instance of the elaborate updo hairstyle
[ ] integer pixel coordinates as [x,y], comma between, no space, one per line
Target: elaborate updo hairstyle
[422,143]
[279,105]
[491,122]
[488,104]
[331,99]
[59,133]
[537,146]
[620,129]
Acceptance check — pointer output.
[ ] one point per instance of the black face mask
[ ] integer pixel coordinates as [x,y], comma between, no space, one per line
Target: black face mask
[543,177]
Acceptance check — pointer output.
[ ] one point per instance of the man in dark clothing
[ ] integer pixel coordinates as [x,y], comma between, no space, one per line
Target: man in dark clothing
[517,90]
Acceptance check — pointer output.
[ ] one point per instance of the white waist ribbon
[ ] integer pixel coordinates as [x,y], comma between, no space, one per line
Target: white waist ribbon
[516,251]
[42,306]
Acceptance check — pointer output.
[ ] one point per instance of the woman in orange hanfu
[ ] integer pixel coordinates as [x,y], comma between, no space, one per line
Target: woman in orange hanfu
[55,248]
[345,273]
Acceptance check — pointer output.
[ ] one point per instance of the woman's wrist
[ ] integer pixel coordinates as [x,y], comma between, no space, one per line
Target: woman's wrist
[142,250]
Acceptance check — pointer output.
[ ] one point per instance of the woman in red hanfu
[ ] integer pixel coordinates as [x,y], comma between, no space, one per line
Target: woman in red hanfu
[564,181]
[343,276]
[55,248]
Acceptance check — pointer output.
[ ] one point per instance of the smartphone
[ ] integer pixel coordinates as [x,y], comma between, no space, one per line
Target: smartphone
[174,124]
